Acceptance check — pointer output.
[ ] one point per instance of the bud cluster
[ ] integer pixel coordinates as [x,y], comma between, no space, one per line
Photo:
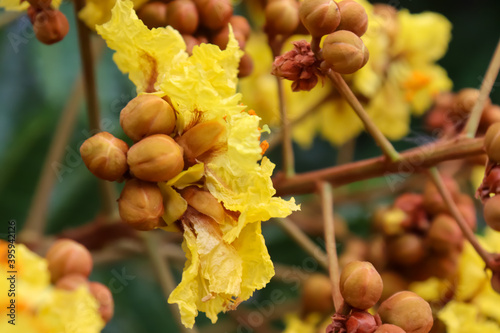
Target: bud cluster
[157,155]
[361,287]
[200,21]
[49,24]
[70,265]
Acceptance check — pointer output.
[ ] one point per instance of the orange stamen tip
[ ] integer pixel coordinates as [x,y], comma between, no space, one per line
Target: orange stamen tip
[264,145]
[252,112]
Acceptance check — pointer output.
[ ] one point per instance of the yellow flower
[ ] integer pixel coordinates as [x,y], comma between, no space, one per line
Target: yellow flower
[465,318]
[295,324]
[16,5]
[40,307]
[98,12]
[227,259]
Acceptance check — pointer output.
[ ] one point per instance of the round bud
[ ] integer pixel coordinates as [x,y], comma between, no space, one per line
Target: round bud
[183,16]
[344,51]
[50,26]
[153,14]
[408,311]
[317,294]
[388,328]
[246,66]
[492,142]
[353,17]
[491,115]
[441,266]
[204,202]
[221,38]
[465,100]
[40,4]
[190,43]
[240,24]
[66,257]
[445,235]
[377,252]
[282,17]
[71,281]
[406,250]
[146,115]
[202,138]
[393,283]
[360,285]
[214,14]
[495,281]
[433,201]
[156,158]
[105,299]
[141,205]
[105,156]
[320,17]
[361,322]
[492,212]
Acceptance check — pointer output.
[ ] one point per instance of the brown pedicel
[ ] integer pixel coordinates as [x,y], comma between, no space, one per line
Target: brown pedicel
[361,285]
[320,17]
[344,51]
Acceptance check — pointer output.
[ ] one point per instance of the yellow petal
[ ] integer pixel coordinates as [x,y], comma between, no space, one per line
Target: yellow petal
[188,177]
[174,204]
[96,12]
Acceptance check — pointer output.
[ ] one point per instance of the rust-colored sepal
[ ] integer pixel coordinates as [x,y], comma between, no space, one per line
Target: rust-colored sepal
[361,322]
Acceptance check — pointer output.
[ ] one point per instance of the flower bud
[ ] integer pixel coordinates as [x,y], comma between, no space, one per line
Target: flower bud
[360,285]
[393,283]
[183,16]
[50,26]
[465,100]
[153,14]
[377,252]
[66,257]
[492,212]
[389,328]
[408,311]
[344,51]
[214,14]
[221,38]
[361,322]
[202,138]
[156,158]
[491,115]
[246,66]
[320,17]
[492,142]
[433,201]
[353,17]
[146,115]
[105,299]
[204,202]
[445,235]
[406,250]
[105,156]
[141,205]
[495,281]
[240,24]
[282,17]
[190,43]
[317,294]
[71,281]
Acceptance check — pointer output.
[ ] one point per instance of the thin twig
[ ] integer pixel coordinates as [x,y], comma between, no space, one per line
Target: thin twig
[488,81]
[331,247]
[34,226]
[452,206]
[370,127]
[303,241]
[164,274]
[107,190]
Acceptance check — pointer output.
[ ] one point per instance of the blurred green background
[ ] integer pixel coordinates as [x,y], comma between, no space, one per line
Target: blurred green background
[36,81]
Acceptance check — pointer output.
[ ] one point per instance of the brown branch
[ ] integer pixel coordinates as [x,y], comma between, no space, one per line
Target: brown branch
[411,161]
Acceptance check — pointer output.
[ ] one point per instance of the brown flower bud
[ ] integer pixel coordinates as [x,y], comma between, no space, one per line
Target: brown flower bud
[360,285]
[156,158]
[433,201]
[353,17]
[465,100]
[202,138]
[320,17]
[441,266]
[105,156]
[246,66]
[491,115]
[221,38]
[153,14]
[204,202]
[141,205]
[393,283]
[492,212]
[240,24]
[190,43]
[66,257]
[71,281]
[214,14]
[492,142]
[389,328]
[183,16]
[146,115]
[50,26]
[105,299]
[445,235]
[344,51]
[408,311]
[495,281]
[282,17]
[361,322]
[406,250]
[317,294]
[377,252]
[40,4]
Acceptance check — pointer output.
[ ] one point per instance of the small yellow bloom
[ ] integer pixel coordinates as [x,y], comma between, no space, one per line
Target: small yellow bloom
[295,324]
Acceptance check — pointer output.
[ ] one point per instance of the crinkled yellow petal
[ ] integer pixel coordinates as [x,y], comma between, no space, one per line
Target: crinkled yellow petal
[422,38]
[146,55]
[432,289]
[174,205]
[465,318]
[487,302]
[236,178]
[472,277]
[97,12]
[188,177]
